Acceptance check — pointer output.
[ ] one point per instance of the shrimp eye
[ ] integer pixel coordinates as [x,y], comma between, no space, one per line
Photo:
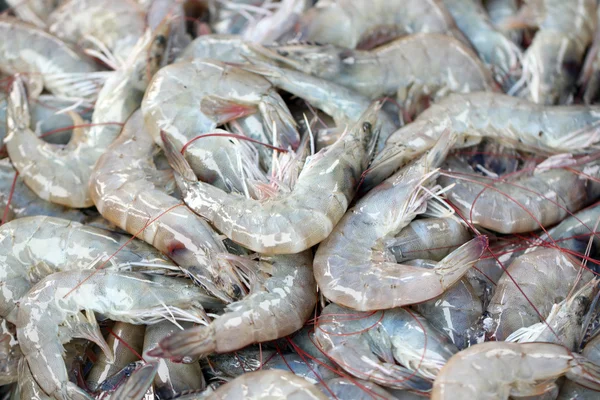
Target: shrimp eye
[367,126]
[237,292]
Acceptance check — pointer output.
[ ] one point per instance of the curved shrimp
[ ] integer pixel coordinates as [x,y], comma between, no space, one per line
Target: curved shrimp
[282,299]
[371,345]
[129,191]
[522,205]
[367,24]
[291,222]
[405,68]
[191,98]
[354,268]
[512,121]
[551,63]
[121,296]
[61,174]
[114,25]
[493,46]
[35,247]
[498,370]
[172,378]
[47,62]
[537,281]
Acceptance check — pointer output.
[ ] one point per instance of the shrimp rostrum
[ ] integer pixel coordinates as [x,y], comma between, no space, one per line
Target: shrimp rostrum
[295,221]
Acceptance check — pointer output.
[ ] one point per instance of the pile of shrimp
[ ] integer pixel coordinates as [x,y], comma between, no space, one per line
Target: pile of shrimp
[299,199]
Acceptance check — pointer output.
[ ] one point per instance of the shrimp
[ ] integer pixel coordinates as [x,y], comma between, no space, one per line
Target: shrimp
[455,311]
[522,205]
[551,63]
[35,247]
[367,24]
[537,281]
[283,297]
[402,68]
[273,384]
[294,221]
[354,268]
[172,378]
[512,121]
[428,238]
[492,45]
[371,345]
[207,94]
[572,390]
[122,296]
[497,370]
[125,342]
[114,25]
[129,191]
[61,174]
[563,324]
[48,62]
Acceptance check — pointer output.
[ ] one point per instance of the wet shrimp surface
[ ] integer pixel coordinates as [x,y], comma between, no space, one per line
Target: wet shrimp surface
[299,199]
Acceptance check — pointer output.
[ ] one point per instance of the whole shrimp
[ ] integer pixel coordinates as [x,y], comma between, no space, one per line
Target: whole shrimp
[60,174]
[291,222]
[551,63]
[524,204]
[273,384]
[131,192]
[47,62]
[493,46]
[114,25]
[393,348]
[282,298]
[367,24]
[35,247]
[512,121]
[172,378]
[353,266]
[405,68]
[499,370]
[122,296]
[521,298]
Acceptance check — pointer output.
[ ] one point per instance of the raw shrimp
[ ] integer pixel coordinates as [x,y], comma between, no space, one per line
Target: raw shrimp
[564,323]
[497,370]
[493,46]
[371,345]
[543,277]
[125,341]
[512,121]
[429,239]
[455,311]
[113,25]
[551,63]
[295,221]
[273,384]
[129,191]
[47,62]
[282,298]
[172,378]
[192,98]
[25,203]
[122,296]
[571,390]
[353,266]
[35,247]
[34,11]
[61,174]
[525,204]
[367,24]
[408,68]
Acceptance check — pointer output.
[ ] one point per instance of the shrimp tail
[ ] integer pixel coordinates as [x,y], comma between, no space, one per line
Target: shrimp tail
[223,110]
[177,160]
[138,383]
[90,330]
[457,263]
[279,123]
[187,345]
